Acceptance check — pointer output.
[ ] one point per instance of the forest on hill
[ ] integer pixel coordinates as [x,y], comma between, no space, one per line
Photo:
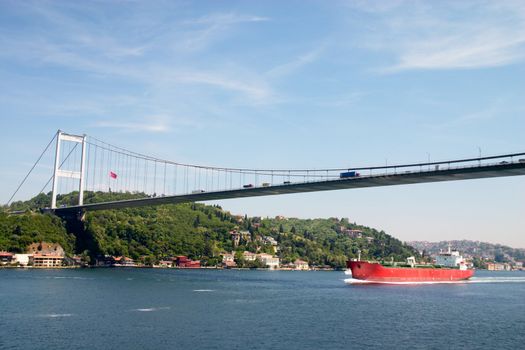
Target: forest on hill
[199,231]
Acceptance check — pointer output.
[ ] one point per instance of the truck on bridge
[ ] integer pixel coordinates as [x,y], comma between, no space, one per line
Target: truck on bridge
[348,174]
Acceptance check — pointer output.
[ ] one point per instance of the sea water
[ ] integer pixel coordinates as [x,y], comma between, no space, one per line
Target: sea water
[234,309]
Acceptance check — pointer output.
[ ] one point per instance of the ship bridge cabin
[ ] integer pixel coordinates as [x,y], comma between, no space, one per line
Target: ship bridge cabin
[450,258]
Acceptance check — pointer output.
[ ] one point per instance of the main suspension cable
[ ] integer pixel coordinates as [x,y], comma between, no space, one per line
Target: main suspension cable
[31,170]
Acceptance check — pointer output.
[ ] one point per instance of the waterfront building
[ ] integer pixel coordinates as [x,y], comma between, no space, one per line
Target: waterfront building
[183,261]
[228,257]
[249,256]
[77,260]
[123,261]
[288,266]
[269,260]
[22,259]
[44,260]
[166,263]
[228,260]
[498,267]
[6,258]
[301,265]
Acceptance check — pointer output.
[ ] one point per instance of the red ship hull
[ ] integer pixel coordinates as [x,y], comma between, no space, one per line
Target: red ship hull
[375,272]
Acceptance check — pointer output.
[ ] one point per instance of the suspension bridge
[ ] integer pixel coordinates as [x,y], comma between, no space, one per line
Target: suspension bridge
[83,163]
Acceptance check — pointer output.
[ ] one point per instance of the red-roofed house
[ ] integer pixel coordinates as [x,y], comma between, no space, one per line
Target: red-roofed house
[184,262]
[123,261]
[6,258]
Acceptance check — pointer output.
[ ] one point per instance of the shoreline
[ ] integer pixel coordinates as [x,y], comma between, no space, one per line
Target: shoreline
[159,268]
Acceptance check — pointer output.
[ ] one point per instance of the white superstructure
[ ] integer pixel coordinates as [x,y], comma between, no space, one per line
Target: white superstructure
[451,258]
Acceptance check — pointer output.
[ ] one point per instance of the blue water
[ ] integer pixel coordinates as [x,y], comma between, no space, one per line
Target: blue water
[214,309]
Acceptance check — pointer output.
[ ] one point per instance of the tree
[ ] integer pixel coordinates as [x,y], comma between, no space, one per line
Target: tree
[239,259]
[197,221]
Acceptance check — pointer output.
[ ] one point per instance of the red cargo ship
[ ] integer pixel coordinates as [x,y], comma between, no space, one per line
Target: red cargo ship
[450,266]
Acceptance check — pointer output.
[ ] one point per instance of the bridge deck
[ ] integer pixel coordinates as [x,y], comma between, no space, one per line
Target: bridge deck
[464,173]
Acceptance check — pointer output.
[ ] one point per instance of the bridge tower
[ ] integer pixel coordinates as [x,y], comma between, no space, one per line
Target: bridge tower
[71,174]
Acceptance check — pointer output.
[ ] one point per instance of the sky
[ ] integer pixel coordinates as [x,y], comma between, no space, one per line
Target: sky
[281,84]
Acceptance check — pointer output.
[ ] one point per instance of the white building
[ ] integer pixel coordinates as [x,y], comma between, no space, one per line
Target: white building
[228,260]
[301,265]
[228,257]
[43,260]
[22,259]
[269,260]
[249,256]
[270,240]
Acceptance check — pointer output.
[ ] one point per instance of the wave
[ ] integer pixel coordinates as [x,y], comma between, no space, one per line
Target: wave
[56,315]
[151,309]
[203,290]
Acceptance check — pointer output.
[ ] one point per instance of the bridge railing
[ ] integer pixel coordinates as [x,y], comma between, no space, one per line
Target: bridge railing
[439,165]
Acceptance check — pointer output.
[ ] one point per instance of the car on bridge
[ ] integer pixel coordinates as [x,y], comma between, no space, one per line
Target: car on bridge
[248,186]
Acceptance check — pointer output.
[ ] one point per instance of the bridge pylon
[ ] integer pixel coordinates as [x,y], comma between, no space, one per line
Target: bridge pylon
[71,174]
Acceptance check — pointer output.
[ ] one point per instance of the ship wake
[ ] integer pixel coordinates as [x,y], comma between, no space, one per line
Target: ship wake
[356,281]
[473,280]
[502,279]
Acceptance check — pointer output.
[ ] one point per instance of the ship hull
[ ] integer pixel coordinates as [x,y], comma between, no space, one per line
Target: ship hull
[375,272]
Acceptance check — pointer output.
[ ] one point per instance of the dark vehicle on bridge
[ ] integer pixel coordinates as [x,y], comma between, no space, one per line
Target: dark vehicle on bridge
[348,174]
[248,186]
[286,183]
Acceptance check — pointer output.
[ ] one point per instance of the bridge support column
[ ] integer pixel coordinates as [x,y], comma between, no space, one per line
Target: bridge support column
[72,174]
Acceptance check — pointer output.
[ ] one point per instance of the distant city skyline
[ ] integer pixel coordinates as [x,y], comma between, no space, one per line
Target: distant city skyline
[282,85]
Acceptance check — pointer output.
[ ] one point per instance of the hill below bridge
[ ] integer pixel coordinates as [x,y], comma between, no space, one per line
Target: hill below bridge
[196,230]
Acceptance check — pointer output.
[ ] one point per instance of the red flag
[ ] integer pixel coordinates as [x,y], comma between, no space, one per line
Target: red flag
[112,175]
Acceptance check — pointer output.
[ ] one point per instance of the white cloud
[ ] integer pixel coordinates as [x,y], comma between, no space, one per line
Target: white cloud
[200,33]
[456,35]
[151,61]
[297,63]
[483,48]
[152,124]
[492,110]
[255,89]
[226,19]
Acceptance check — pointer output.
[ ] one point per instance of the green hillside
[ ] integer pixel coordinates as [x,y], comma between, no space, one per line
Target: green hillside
[197,230]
